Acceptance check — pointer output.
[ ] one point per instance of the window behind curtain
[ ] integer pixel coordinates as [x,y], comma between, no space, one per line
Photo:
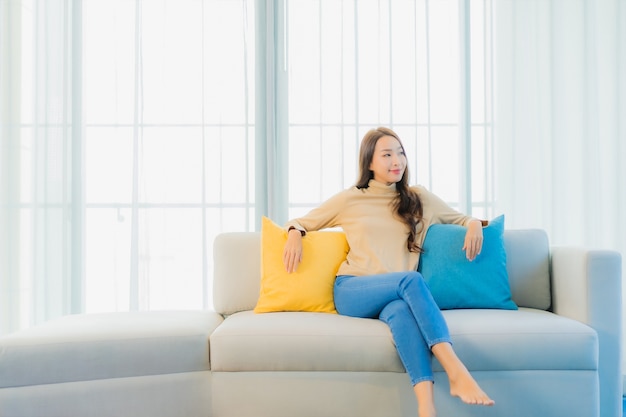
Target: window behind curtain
[355,65]
[169,146]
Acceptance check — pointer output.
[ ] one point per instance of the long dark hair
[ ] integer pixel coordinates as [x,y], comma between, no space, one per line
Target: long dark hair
[407,204]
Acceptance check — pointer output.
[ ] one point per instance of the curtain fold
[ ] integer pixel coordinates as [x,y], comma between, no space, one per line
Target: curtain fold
[36,150]
[10,18]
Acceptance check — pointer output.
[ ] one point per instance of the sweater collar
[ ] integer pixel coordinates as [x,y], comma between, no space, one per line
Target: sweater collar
[380,188]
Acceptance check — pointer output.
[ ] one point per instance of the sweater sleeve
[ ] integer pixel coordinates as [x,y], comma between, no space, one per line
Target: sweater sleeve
[440,211]
[324,216]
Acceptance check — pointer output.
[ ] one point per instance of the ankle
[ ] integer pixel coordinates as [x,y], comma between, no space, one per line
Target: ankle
[426,411]
[425,399]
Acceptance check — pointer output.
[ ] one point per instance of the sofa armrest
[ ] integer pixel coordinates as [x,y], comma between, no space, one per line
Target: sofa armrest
[587,286]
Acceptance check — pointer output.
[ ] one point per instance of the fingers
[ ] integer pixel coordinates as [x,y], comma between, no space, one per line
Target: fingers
[473,253]
[291,259]
[473,240]
[292,254]
[472,247]
[288,261]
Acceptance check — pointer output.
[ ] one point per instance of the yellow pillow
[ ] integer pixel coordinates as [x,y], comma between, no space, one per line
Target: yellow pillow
[310,288]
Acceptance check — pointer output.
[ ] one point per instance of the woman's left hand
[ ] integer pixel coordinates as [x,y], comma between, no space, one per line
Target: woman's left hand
[473,240]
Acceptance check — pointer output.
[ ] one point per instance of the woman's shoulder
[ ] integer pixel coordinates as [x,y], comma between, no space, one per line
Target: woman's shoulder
[425,195]
[343,194]
[419,189]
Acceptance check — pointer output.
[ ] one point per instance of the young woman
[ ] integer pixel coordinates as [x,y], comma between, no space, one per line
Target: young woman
[385,222]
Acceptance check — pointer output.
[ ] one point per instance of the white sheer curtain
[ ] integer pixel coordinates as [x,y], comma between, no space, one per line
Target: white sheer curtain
[561,119]
[127,143]
[40,217]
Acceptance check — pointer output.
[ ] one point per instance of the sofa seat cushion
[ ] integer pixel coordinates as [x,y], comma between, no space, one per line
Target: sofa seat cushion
[112,345]
[526,339]
[486,340]
[302,341]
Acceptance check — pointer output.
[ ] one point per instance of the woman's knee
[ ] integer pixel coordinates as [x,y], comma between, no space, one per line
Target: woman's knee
[413,279]
[396,308]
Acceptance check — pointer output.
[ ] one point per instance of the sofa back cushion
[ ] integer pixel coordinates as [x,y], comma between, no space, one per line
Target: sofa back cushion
[237,269]
[528,265]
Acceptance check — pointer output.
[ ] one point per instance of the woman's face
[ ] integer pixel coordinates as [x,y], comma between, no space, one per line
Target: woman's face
[389,161]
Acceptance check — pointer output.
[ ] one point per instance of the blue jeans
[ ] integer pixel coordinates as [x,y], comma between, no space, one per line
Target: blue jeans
[403,301]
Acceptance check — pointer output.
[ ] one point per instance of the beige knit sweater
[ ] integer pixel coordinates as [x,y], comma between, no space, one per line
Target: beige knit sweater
[377,238]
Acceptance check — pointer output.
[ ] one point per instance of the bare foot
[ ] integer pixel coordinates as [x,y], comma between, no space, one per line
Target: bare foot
[462,384]
[466,388]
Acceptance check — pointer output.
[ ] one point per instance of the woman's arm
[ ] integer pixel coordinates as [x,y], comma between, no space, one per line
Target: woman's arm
[324,216]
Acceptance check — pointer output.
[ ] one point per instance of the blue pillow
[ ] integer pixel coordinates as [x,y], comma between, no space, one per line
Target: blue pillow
[456,282]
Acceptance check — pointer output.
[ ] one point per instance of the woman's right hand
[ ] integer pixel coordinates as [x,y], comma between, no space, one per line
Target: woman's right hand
[292,255]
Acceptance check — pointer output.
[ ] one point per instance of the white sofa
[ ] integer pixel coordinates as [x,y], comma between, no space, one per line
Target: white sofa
[558,355]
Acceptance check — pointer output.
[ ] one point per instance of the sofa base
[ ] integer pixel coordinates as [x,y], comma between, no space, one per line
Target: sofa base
[387,394]
[312,394]
[302,394]
[171,395]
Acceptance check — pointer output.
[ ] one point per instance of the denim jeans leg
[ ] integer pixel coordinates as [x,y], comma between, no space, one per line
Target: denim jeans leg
[415,292]
[411,346]
[367,296]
